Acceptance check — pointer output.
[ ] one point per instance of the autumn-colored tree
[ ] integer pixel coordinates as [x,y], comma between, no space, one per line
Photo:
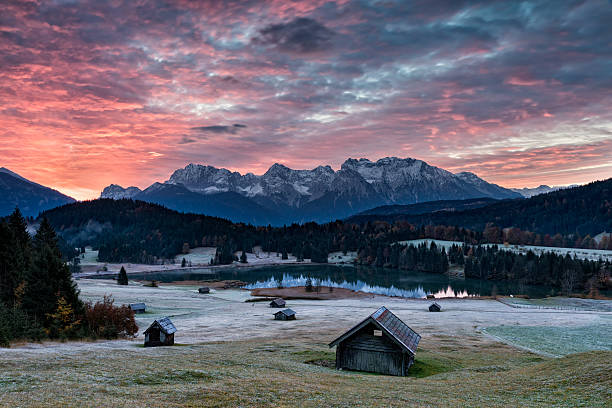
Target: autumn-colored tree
[63,322]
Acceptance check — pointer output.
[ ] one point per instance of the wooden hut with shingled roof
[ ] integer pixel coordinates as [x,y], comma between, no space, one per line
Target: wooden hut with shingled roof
[160,333]
[277,303]
[381,343]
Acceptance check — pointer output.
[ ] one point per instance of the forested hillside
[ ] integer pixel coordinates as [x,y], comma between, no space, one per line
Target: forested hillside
[135,231]
[579,211]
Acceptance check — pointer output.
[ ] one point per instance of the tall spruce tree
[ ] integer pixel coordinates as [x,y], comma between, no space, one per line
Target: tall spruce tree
[8,272]
[49,278]
[122,279]
[15,258]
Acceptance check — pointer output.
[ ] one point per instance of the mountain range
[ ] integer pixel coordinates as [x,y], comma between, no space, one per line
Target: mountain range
[30,197]
[583,210]
[542,189]
[283,195]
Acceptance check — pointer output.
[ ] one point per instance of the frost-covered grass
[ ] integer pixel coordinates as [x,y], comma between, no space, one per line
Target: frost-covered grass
[197,256]
[233,353]
[559,341]
[560,303]
[339,257]
[591,254]
[439,243]
[90,257]
[280,373]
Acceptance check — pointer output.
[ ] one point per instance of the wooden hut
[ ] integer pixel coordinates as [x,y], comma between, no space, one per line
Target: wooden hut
[434,307]
[286,314]
[204,289]
[138,307]
[277,303]
[381,343]
[160,333]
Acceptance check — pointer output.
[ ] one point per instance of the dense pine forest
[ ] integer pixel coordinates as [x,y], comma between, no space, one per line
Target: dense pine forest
[39,299]
[567,274]
[569,217]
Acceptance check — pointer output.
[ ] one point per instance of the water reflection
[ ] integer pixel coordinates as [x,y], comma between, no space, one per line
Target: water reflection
[370,280]
[288,281]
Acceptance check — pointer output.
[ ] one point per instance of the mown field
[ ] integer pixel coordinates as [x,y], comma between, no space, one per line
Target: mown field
[290,373]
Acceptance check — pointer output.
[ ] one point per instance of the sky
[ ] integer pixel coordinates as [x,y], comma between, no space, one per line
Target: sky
[97,92]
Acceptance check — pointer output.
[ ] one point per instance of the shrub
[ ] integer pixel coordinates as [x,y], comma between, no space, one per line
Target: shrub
[15,324]
[109,321]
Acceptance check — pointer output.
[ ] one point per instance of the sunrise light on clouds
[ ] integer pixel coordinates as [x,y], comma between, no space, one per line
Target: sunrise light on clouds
[94,93]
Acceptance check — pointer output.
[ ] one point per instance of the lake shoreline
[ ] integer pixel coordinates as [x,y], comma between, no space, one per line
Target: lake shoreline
[200,268]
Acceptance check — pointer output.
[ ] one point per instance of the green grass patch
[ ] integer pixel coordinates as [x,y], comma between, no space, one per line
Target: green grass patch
[317,357]
[424,366]
[427,364]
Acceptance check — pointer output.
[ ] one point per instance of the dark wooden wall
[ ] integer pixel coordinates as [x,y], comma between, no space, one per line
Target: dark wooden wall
[366,352]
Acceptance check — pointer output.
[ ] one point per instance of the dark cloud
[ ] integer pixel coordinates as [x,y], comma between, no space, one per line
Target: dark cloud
[301,35]
[233,129]
[187,140]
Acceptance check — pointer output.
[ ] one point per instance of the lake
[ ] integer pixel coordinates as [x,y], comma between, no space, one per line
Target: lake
[381,281]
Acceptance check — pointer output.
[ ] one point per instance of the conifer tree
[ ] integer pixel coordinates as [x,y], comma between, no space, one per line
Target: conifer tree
[15,257]
[122,279]
[243,257]
[49,278]
[8,272]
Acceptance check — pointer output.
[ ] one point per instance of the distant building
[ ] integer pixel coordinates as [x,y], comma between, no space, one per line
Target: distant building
[286,314]
[138,307]
[277,303]
[160,333]
[381,343]
[435,307]
[204,289]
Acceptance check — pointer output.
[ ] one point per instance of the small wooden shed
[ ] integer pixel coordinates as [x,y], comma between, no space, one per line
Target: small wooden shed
[434,307]
[138,307]
[286,314]
[277,303]
[204,289]
[381,343]
[160,333]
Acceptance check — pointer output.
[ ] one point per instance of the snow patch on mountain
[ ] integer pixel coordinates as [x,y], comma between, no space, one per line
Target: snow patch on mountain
[116,192]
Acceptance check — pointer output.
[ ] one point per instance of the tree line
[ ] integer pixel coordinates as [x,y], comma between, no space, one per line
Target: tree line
[134,231]
[569,217]
[38,298]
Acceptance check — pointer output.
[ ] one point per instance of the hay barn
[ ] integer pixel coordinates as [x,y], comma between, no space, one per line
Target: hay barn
[160,333]
[381,343]
[286,314]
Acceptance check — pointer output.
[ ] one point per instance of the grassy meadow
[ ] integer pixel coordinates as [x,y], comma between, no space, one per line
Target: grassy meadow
[262,373]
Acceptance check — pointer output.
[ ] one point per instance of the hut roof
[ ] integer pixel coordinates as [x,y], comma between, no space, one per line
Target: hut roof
[278,301]
[390,324]
[137,306]
[286,312]
[164,324]
[434,304]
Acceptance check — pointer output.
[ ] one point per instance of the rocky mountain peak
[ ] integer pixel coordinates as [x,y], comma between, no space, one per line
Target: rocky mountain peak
[116,192]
